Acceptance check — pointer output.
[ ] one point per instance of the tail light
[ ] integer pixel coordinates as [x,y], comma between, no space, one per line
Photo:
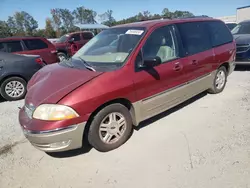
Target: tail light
[40,61]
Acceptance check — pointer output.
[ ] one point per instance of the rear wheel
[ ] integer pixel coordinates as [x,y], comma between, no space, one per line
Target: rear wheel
[110,128]
[62,56]
[220,81]
[13,88]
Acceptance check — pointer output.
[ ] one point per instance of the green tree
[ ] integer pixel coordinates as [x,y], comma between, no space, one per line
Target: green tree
[49,31]
[29,23]
[67,18]
[56,20]
[84,15]
[22,23]
[5,30]
[166,13]
[39,33]
[107,18]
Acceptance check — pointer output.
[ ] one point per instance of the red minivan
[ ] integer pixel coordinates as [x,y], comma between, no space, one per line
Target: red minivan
[31,46]
[123,76]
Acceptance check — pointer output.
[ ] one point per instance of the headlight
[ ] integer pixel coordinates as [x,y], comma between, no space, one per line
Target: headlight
[54,112]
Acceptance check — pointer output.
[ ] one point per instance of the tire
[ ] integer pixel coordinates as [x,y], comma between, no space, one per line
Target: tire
[62,56]
[215,88]
[108,131]
[16,84]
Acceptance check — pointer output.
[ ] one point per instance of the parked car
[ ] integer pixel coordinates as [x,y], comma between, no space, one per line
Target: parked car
[15,72]
[231,25]
[78,38]
[30,45]
[242,36]
[107,89]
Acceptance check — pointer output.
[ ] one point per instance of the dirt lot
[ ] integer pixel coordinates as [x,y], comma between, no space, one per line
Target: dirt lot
[204,143]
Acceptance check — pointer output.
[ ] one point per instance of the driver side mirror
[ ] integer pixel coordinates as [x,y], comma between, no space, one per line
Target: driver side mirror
[148,62]
[152,61]
[71,40]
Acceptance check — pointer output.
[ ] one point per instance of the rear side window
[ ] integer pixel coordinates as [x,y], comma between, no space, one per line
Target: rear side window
[87,36]
[76,37]
[12,46]
[195,37]
[220,34]
[35,44]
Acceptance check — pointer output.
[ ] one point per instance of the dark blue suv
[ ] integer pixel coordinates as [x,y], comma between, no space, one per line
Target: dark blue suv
[242,37]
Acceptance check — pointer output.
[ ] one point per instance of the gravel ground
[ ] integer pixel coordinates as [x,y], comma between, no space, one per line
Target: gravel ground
[204,143]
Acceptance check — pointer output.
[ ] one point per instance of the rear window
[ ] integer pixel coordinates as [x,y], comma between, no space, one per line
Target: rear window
[87,36]
[195,37]
[220,34]
[76,37]
[11,46]
[35,44]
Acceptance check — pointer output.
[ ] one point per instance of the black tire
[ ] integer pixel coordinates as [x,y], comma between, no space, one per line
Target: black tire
[61,56]
[214,89]
[7,81]
[95,139]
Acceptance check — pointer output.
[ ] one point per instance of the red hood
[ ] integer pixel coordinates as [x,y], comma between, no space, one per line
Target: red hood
[53,82]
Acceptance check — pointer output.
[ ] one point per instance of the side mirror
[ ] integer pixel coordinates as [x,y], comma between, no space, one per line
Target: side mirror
[71,40]
[152,61]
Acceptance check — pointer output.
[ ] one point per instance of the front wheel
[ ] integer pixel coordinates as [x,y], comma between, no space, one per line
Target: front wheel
[110,128]
[219,81]
[13,88]
[62,56]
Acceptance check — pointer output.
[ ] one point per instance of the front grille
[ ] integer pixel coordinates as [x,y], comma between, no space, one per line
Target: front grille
[241,48]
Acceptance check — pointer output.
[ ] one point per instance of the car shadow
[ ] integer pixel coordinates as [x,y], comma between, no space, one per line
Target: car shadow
[72,153]
[170,111]
[242,67]
[2,99]
[87,147]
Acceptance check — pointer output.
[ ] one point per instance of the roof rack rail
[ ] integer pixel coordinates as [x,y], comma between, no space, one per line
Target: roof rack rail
[202,16]
[166,18]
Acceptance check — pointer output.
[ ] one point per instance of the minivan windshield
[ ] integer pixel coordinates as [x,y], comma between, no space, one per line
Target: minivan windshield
[242,28]
[63,39]
[111,47]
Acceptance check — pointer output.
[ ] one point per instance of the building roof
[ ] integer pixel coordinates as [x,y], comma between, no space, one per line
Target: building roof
[244,7]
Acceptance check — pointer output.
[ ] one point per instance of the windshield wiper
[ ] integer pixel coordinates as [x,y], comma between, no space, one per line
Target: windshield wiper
[88,66]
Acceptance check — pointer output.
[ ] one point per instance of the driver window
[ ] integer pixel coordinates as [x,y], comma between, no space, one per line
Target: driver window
[161,43]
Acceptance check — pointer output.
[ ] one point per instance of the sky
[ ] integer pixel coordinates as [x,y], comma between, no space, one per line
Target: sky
[40,9]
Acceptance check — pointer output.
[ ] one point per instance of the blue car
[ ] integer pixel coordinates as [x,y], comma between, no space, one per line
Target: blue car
[241,35]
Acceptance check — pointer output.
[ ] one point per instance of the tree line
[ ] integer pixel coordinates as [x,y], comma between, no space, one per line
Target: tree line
[62,21]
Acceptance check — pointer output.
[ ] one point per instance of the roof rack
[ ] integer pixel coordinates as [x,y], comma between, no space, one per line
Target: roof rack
[166,18]
[202,16]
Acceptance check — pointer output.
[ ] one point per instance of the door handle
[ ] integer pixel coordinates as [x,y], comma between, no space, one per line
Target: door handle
[195,62]
[177,67]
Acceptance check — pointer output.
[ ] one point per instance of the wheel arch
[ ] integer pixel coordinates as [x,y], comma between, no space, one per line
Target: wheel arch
[122,101]
[226,65]
[10,76]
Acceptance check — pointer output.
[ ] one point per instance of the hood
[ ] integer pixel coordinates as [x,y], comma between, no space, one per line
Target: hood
[53,82]
[242,39]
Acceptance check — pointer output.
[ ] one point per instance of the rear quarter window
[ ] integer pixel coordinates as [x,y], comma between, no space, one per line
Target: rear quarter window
[219,33]
[35,44]
[11,46]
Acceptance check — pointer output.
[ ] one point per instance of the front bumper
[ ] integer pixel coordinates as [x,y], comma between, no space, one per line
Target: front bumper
[65,139]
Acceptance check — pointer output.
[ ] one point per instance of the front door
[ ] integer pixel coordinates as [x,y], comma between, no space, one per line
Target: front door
[159,88]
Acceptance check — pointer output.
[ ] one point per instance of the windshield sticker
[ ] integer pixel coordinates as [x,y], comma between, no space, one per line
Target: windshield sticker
[134,32]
